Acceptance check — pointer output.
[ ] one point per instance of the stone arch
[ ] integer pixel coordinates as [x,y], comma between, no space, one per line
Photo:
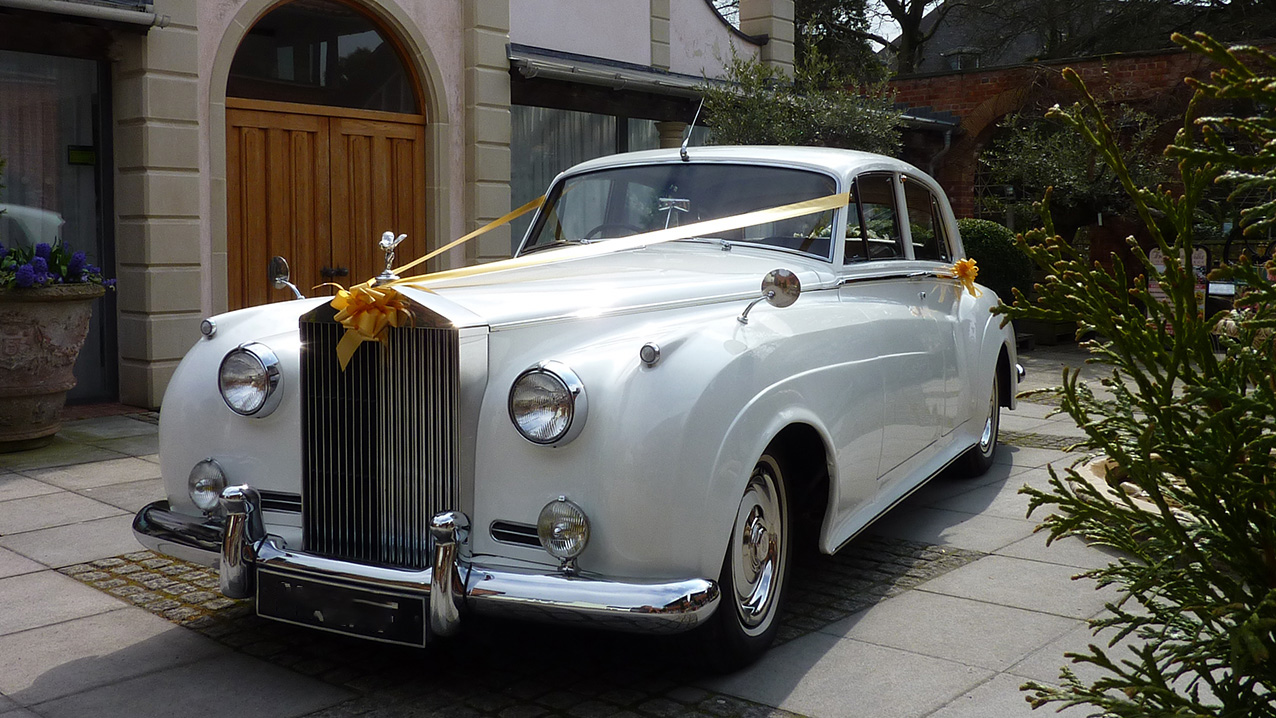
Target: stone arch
[433,102]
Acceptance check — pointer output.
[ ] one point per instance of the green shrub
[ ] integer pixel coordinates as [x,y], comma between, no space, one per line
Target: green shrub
[1002,265]
[1193,429]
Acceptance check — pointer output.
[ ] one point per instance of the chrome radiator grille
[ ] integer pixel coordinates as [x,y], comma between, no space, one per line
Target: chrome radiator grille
[380,442]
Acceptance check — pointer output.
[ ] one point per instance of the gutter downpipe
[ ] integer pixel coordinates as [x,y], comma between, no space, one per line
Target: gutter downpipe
[948,145]
[94,12]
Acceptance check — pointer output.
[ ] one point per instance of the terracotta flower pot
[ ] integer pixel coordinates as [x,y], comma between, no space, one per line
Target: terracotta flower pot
[41,332]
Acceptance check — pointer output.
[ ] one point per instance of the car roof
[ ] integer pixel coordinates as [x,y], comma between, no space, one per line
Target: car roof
[839,161]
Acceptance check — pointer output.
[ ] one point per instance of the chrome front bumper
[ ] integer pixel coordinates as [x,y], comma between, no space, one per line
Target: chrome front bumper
[238,546]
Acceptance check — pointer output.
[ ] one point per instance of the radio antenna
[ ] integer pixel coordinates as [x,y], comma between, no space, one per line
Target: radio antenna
[682,151]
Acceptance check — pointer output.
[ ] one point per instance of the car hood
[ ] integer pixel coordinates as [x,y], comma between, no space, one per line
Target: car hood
[622,281]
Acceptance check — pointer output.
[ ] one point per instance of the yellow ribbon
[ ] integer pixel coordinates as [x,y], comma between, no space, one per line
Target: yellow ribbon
[365,312]
[646,239]
[965,271]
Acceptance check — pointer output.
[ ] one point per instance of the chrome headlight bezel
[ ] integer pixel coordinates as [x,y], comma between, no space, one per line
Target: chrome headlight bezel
[266,379]
[570,400]
[563,529]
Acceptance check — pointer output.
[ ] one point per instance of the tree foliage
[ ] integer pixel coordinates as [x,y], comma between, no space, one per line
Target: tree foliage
[1192,429]
[1031,153]
[760,106]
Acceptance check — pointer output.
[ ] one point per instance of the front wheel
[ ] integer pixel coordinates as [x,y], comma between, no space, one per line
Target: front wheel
[755,570]
[978,459]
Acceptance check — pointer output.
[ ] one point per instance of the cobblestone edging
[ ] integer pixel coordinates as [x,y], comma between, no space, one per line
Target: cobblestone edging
[1029,440]
[499,668]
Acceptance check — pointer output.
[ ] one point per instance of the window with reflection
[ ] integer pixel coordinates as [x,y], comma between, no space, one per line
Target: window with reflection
[631,200]
[872,227]
[925,223]
[320,52]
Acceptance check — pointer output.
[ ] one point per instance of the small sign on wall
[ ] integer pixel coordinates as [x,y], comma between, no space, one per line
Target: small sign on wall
[81,155]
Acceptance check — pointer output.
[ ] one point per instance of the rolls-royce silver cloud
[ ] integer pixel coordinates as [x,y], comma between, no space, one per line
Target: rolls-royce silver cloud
[695,361]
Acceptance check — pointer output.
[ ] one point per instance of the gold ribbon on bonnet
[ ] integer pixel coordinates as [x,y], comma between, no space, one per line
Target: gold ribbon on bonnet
[367,310]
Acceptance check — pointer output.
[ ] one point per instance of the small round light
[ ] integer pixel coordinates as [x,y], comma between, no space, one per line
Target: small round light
[563,529]
[547,404]
[649,353]
[205,483]
[249,380]
[208,328]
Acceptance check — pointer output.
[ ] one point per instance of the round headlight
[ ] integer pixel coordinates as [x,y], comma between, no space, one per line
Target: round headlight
[563,529]
[205,483]
[250,380]
[547,404]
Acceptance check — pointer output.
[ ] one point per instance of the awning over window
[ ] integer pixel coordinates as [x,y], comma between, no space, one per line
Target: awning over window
[135,14]
[534,62]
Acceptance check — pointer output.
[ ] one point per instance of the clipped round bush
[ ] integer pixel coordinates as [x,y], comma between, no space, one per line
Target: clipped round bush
[1001,265]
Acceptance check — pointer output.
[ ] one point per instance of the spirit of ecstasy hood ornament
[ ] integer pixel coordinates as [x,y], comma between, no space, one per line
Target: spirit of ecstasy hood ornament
[388,243]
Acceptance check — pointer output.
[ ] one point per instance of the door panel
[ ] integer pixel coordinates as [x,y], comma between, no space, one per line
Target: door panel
[276,201]
[377,186]
[318,189]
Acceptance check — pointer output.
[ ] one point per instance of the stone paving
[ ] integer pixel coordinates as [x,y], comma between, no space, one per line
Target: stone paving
[942,609]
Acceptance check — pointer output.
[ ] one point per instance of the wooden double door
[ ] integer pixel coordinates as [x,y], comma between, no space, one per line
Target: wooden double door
[318,186]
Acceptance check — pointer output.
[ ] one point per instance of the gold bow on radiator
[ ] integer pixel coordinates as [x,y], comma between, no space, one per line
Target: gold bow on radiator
[365,311]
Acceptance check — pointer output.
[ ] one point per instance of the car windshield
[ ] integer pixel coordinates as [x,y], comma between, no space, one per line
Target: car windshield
[631,200]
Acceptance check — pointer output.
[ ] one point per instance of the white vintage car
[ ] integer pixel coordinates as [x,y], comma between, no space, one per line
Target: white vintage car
[604,429]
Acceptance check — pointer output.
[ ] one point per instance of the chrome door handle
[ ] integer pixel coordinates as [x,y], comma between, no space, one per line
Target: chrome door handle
[921,296]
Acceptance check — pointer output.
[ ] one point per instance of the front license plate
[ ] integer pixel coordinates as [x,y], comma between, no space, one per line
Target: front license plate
[341,608]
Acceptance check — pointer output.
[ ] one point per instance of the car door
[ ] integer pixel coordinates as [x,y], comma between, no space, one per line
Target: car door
[881,278]
[939,293]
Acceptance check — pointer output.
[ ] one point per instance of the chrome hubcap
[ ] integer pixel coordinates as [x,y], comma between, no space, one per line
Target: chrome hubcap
[989,434]
[756,550]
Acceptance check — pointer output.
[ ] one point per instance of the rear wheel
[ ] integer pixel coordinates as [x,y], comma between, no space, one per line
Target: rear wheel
[755,570]
[978,459]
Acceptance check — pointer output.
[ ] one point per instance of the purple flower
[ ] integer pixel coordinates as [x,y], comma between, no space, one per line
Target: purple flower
[40,265]
[76,265]
[43,250]
[108,283]
[24,276]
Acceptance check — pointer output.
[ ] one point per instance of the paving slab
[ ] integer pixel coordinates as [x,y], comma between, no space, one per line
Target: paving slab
[1001,698]
[98,473]
[76,543]
[1066,551]
[42,599]
[59,509]
[1043,665]
[55,661]
[1028,458]
[826,677]
[229,685]
[131,496]
[1000,499]
[1032,585]
[130,445]
[12,564]
[61,452]
[957,629]
[952,528]
[106,427]
[948,484]
[17,486]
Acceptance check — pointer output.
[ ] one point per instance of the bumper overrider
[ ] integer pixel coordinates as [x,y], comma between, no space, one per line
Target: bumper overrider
[402,605]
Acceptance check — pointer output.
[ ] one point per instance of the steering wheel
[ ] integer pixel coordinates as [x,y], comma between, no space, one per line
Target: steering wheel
[607,226]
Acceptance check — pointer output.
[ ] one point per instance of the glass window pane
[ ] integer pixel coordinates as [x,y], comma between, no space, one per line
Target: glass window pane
[877,200]
[545,142]
[630,200]
[923,222]
[320,52]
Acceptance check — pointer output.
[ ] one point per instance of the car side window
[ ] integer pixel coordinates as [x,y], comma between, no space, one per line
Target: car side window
[872,226]
[925,223]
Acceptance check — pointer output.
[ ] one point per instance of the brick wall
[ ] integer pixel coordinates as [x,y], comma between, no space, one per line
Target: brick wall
[980,98]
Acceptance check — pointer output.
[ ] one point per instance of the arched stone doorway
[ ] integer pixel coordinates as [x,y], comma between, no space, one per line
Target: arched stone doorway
[325,149]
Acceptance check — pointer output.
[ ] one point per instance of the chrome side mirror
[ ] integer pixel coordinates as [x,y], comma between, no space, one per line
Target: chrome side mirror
[780,288]
[279,275]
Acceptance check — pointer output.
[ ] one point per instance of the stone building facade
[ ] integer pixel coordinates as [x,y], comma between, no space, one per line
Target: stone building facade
[199,137]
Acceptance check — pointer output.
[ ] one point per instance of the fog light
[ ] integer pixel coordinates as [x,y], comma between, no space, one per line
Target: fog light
[563,529]
[206,482]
